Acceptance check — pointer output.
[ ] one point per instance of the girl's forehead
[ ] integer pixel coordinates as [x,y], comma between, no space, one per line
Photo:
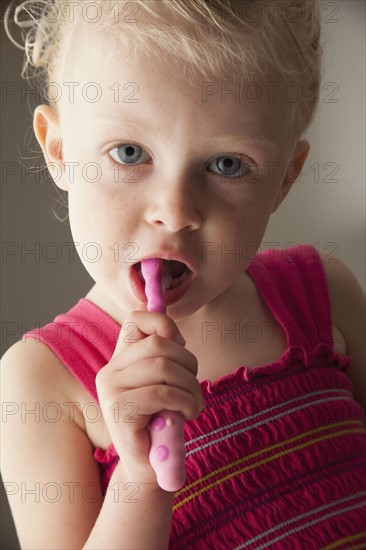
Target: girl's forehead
[153,91]
[132,74]
[155,124]
[145,79]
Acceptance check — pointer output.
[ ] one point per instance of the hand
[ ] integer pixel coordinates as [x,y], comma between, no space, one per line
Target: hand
[148,372]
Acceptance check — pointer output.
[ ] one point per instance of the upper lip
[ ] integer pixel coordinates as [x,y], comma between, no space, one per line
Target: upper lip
[169,255]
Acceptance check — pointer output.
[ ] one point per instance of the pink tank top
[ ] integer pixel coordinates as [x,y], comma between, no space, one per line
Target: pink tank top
[277,459]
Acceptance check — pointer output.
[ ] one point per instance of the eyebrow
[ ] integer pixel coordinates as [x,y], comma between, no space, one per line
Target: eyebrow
[238,139]
[241,139]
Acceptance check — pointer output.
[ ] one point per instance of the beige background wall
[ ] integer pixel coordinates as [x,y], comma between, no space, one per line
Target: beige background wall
[326,205]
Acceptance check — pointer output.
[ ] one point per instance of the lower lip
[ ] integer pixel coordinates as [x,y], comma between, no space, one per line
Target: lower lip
[170,296]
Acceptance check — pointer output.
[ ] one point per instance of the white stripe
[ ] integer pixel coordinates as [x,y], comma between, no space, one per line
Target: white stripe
[262,422]
[301,516]
[265,411]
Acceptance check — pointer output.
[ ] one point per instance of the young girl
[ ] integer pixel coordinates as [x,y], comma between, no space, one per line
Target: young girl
[169,125]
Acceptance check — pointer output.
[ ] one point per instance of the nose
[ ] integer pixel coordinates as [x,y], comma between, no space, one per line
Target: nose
[174,204]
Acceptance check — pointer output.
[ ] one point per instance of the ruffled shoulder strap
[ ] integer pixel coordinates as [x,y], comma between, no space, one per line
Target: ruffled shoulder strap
[84,339]
[293,284]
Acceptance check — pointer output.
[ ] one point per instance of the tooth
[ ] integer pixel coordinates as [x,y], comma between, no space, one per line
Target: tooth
[178,281]
[175,283]
[167,279]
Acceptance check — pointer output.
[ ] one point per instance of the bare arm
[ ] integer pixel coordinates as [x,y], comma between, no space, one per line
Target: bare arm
[132,516]
[349,315]
[49,472]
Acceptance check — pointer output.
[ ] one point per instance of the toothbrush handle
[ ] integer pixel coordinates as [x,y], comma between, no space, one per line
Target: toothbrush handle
[167,452]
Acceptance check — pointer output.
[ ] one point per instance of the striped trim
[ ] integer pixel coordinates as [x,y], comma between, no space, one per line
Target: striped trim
[270,409]
[265,496]
[266,420]
[339,542]
[305,525]
[361,429]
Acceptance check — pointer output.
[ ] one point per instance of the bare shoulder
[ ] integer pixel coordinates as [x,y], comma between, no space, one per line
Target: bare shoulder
[32,367]
[40,356]
[348,306]
[47,459]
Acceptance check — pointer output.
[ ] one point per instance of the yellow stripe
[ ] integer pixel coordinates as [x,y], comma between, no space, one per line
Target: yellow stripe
[345,539]
[262,451]
[264,461]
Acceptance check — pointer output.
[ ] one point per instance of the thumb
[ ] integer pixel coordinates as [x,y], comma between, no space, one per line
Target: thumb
[129,332]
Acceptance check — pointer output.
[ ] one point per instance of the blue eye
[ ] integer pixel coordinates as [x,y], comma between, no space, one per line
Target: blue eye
[230,166]
[127,154]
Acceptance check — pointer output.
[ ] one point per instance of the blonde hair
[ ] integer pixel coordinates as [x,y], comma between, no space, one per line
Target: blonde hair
[255,40]
[266,43]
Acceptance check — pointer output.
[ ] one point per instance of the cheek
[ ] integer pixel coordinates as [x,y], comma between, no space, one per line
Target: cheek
[96,217]
[89,219]
[245,218]
[238,232]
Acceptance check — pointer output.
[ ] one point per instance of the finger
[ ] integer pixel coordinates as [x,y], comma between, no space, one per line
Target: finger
[157,371]
[152,399]
[140,324]
[156,349]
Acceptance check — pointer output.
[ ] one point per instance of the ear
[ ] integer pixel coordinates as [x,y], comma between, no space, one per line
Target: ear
[293,170]
[47,130]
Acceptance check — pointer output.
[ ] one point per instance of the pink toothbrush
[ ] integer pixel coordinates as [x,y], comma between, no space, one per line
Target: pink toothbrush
[167,453]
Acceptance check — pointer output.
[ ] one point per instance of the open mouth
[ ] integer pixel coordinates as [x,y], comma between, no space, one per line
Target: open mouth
[175,273]
[176,281]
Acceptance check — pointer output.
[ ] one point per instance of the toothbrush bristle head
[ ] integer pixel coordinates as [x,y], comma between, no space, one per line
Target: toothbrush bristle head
[152,266]
[152,272]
